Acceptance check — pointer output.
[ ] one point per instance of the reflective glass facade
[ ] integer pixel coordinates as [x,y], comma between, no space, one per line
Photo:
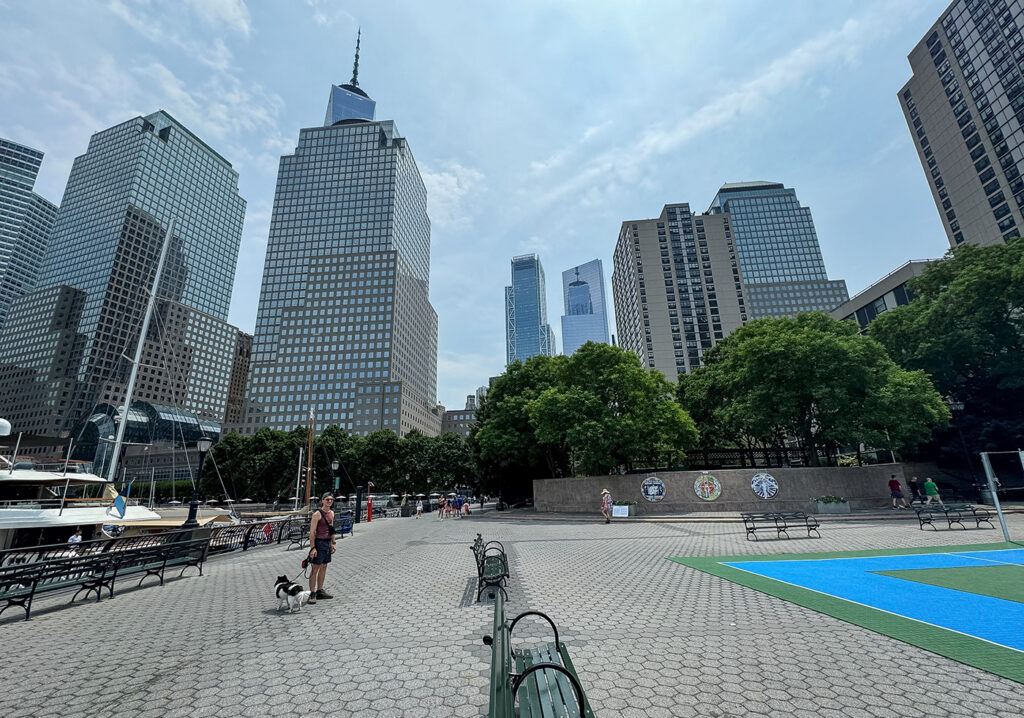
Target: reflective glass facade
[66,343]
[345,327]
[964,106]
[527,332]
[586,312]
[777,249]
[26,220]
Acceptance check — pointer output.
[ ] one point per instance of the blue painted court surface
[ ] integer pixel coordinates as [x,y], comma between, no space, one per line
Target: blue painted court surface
[994,620]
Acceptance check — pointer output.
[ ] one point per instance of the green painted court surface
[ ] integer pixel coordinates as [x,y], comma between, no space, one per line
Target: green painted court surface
[962,602]
[1005,582]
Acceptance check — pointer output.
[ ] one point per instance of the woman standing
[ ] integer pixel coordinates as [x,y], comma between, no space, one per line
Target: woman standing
[606,505]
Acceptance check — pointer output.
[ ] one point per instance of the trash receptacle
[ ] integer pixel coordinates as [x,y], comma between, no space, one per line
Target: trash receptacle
[986,496]
[406,511]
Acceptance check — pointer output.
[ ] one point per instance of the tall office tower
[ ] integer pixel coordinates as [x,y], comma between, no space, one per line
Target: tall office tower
[586,313]
[778,252]
[527,332]
[677,287]
[964,105]
[26,220]
[345,327]
[65,344]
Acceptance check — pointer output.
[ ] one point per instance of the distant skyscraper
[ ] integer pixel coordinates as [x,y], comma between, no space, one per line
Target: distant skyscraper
[586,314]
[345,327]
[777,249]
[26,220]
[527,332]
[64,346]
[677,287]
[964,105]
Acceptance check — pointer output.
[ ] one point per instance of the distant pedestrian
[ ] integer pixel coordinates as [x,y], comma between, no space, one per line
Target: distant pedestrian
[419,507]
[75,541]
[915,491]
[606,505]
[896,492]
[932,491]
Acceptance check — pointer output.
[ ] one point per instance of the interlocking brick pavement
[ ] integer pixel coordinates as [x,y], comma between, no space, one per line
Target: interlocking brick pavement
[649,637]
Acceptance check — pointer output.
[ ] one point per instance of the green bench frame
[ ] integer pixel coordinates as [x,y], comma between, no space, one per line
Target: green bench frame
[542,679]
[491,566]
[780,522]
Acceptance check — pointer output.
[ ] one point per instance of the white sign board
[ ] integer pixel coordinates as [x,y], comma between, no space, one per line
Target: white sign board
[620,511]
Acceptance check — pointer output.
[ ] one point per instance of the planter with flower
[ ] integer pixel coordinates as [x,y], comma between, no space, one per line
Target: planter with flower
[623,508]
[830,505]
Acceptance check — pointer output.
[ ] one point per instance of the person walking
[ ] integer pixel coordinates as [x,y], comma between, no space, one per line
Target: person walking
[896,492]
[606,505]
[419,507]
[932,491]
[323,542]
[915,491]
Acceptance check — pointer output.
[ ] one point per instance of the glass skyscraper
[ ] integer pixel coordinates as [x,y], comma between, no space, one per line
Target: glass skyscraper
[586,314]
[65,344]
[26,220]
[777,250]
[345,327]
[527,332]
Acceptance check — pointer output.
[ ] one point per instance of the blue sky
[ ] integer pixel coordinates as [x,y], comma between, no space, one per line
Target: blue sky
[538,126]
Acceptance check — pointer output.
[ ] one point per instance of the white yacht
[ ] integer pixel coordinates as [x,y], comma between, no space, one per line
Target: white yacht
[41,504]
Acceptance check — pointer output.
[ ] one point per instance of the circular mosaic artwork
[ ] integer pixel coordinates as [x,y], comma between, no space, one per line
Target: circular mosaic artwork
[764,485]
[707,487]
[653,489]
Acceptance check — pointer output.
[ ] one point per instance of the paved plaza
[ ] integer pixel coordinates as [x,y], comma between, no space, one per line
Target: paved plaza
[650,637]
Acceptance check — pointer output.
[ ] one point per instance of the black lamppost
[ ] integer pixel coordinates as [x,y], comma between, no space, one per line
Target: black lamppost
[203,445]
[334,471]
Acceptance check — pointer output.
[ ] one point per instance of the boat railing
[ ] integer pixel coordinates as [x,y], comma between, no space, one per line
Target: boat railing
[72,503]
[239,537]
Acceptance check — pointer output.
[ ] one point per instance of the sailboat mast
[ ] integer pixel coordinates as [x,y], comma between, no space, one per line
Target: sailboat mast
[309,459]
[122,425]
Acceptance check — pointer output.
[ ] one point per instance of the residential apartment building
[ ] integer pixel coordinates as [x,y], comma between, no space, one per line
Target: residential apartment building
[26,220]
[586,313]
[964,105]
[677,287]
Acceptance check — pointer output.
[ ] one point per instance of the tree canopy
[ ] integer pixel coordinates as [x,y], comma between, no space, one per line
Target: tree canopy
[965,328]
[590,413]
[813,378]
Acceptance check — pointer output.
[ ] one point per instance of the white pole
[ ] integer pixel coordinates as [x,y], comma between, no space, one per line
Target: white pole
[298,480]
[67,480]
[152,484]
[992,483]
[14,458]
[123,424]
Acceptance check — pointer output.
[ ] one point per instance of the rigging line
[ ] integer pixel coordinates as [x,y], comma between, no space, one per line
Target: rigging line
[219,477]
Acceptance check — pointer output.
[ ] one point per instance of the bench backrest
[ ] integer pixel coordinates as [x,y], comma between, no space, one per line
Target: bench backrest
[502,663]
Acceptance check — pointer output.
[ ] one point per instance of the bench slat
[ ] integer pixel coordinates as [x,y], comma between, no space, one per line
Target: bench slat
[566,706]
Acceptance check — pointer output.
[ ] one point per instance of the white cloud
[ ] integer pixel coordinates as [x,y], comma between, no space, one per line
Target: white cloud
[329,13]
[215,55]
[232,13]
[467,371]
[446,191]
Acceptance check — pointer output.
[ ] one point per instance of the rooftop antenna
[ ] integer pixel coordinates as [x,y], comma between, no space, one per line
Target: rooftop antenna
[355,65]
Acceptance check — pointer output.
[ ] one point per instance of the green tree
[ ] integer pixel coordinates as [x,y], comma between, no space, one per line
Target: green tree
[380,463]
[965,329]
[813,378]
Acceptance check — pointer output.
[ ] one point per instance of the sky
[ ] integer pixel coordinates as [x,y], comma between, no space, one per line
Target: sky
[538,126]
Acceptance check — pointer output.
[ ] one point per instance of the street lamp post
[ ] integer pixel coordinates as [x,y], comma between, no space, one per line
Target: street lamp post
[203,445]
[334,471]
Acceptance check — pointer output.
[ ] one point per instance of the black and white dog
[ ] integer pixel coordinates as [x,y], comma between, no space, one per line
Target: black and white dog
[290,594]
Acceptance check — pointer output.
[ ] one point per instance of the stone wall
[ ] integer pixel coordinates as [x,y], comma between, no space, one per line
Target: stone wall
[863,486]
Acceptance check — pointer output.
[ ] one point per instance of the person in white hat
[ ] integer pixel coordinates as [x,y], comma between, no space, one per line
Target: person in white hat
[606,505]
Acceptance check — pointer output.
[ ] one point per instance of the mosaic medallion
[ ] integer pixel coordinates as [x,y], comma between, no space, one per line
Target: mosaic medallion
[653,489]
[707,487]
[764,485]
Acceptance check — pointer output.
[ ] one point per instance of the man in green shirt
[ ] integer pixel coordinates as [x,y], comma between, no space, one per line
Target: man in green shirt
[932,491]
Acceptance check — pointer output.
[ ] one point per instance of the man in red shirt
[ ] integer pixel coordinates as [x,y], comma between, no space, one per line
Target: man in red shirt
[896,492]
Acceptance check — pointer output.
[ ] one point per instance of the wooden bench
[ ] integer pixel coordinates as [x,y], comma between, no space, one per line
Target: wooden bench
[954,514]
[780,522]
[542,680]
[491,566]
